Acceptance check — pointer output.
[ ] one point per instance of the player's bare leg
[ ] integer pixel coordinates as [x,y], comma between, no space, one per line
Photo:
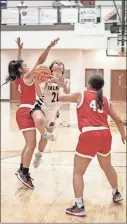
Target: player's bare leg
[21,164]
[80,166]
[105,164]
[40,124]
[41,147]
[38,156]
[24,176]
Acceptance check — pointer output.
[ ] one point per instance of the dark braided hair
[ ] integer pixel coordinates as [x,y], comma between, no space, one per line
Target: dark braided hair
[13,70]
[97,82]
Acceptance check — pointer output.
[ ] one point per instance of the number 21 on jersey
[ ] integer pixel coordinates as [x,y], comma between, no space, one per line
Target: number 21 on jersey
[93,105]
[55,97]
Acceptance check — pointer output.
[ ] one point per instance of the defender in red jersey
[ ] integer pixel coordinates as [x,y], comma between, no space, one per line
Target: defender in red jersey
[27,100]
[95,139]
[24,79]
[93,124]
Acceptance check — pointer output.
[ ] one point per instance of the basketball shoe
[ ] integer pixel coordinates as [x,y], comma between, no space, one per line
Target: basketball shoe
[26,180]
[74,210]
[18,171]
[117,197]
[49,136]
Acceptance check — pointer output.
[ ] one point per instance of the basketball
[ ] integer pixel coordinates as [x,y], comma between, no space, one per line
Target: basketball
[42,73]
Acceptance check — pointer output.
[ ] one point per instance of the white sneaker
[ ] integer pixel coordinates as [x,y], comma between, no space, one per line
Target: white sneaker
[37,160]
[49,136]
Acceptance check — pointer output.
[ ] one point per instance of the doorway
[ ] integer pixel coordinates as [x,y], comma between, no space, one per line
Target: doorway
[118,85]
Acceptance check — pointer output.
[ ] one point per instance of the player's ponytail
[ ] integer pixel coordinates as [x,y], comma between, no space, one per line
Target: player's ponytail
[100,99]
[13,70]
[8,79]
[96,82]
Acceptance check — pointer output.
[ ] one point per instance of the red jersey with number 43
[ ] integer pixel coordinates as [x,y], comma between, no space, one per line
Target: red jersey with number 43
[88,112]
[27,92]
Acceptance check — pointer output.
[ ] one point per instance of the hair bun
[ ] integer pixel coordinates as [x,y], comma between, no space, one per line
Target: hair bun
[12,78]
[14,63]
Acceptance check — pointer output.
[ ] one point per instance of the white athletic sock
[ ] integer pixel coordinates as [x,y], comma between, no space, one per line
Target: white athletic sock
[39,153]
[79,202]
[46,134]
[114,190]
[43,135]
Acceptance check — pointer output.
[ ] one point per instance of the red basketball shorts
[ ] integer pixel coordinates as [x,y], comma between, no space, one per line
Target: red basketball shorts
[94,142]
[24,119]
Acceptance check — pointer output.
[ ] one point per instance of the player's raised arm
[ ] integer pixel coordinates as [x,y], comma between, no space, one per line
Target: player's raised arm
[44,55]
[20,47]
[42,58]
[119,122]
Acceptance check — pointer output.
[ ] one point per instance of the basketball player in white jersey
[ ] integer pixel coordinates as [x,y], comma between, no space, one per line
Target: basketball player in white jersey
[49,103]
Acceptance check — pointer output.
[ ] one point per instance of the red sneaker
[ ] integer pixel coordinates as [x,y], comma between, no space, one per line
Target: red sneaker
[117,197]
[26,180]
[74,210]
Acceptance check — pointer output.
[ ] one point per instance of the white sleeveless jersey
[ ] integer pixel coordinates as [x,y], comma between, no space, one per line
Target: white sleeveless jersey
[51,92]
[49,98]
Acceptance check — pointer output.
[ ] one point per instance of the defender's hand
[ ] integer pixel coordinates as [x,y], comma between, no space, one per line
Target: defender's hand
[54,42]
[19,43]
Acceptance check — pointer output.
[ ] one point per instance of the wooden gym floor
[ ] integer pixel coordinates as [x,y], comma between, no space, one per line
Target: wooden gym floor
[53,179]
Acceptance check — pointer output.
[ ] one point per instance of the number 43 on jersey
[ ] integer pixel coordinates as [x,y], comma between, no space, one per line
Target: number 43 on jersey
[93,105]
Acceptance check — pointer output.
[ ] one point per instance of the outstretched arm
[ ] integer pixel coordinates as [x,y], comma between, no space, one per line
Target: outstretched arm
[20,47]
[41,60]
[70,98]
[44,55]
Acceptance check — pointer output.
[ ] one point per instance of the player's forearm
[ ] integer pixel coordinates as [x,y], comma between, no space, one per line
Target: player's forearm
[120,127]
[19,56]
[41,60]
[44,55]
